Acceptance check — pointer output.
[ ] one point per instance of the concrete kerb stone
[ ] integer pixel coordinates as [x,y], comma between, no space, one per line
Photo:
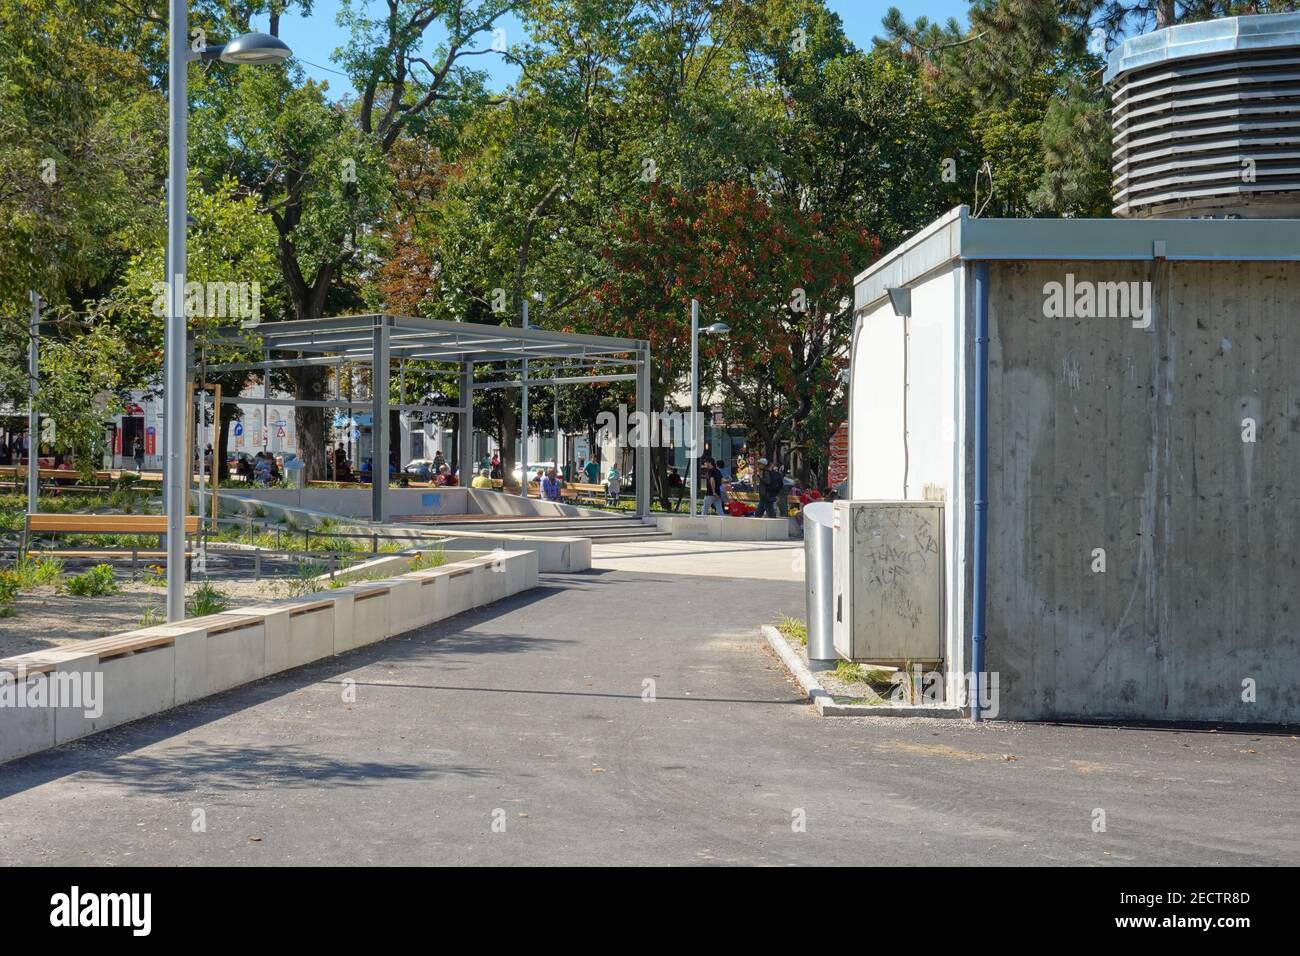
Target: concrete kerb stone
[826,705]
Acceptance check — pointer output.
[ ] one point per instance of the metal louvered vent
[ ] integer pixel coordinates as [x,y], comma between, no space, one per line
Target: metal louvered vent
[1207,120]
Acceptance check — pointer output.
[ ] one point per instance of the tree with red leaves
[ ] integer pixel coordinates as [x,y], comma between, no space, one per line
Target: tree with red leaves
[780,278]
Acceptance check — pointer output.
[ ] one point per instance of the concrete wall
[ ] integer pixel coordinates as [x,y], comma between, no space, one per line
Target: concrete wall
[932,466]
[355,502]
[717,528]
[1105,436]
[555,554]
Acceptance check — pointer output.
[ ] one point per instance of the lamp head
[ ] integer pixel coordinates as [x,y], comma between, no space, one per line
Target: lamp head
[251,49]
[718,328]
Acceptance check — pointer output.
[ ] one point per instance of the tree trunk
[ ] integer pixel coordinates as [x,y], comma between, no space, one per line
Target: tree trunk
[658,456]
[1164,14]
[309,383]
[509,419]
[223,443]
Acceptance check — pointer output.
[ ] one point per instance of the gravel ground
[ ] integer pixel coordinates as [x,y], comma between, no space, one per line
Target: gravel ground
[45,618]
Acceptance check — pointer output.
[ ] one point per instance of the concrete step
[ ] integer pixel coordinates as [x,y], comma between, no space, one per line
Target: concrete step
[577,526]
[611,535]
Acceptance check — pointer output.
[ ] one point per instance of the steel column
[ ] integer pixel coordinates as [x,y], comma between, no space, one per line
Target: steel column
[641,459]
[177,463]
[523,426]
[466,449]
[33,416]
[692,451]
[379,426]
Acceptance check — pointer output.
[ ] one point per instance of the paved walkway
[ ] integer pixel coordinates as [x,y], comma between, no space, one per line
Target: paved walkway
[531,713]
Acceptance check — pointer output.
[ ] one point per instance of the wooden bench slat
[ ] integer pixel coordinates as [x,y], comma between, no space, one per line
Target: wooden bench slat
[122,644]
[78,553]
[100,524]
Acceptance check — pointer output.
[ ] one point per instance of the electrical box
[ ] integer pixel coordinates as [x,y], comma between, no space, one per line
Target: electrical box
[887,579]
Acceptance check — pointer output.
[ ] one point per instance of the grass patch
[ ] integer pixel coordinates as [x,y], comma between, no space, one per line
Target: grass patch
[793,629]
[35,572]
[426,560]
[152,617]
[302,582]
[852,673]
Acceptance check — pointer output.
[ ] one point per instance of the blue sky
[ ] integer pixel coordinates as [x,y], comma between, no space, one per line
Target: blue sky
[315,38]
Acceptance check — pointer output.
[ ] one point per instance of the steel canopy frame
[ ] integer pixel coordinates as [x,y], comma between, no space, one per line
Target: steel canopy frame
[376,339]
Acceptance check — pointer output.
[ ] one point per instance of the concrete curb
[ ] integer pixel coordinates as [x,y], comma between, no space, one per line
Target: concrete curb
[825,703]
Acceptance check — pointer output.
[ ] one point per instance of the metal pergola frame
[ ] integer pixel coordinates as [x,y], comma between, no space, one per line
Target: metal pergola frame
[377,339]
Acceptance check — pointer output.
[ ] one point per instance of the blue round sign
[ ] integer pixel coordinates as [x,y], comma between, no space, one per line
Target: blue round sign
[239,429]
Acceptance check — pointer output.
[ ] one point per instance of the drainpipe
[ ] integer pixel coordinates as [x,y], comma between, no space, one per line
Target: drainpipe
[979,596]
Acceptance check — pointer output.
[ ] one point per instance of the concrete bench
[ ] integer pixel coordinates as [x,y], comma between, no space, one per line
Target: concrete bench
[153,669]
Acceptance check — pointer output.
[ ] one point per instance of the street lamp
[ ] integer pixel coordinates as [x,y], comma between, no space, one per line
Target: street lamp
[717,328]
[251,48]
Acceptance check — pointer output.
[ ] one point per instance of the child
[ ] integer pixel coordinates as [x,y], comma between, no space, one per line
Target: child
[613,485]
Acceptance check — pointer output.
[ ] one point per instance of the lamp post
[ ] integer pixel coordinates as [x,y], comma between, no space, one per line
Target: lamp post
[33,416]
[693,449]
[251,49]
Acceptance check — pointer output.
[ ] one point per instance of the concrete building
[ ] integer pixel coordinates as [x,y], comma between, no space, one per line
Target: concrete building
[1110,409]
[1162,448]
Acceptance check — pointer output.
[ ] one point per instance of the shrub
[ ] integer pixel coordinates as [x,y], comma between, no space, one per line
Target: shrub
[9,586]
[208,599]
[98,580]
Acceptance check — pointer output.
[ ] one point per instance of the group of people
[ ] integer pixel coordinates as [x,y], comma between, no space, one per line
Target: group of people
[261,469]
[767,478]
[775,490]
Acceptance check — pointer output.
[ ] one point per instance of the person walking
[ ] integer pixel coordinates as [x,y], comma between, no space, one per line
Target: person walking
[770,484]
[137,452]
[676,487]
[713,494]
[593,472]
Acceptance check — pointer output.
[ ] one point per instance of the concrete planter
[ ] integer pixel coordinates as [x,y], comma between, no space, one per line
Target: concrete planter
[150,670]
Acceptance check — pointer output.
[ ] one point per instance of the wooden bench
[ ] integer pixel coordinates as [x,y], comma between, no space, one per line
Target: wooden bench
[46,523]
[20,471]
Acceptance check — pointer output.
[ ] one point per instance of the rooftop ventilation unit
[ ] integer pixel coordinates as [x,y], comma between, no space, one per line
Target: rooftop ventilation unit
[1207,119]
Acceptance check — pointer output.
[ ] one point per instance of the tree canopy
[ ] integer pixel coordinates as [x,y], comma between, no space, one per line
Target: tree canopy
[747,154]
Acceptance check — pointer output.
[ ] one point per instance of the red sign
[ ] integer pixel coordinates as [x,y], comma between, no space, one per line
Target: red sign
[150,440]
[839,463]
